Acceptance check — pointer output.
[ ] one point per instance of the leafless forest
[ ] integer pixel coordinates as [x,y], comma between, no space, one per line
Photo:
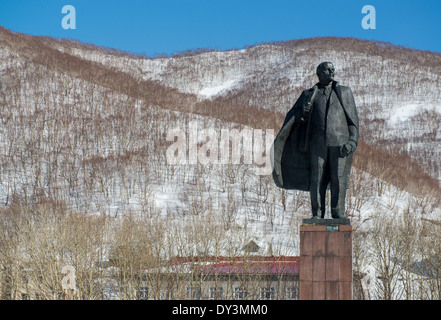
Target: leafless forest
[84,179]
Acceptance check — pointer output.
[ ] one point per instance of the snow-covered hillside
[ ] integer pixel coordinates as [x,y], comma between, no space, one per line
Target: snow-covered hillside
[393,86]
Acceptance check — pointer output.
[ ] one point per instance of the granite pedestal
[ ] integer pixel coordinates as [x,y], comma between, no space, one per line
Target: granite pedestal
[325,259]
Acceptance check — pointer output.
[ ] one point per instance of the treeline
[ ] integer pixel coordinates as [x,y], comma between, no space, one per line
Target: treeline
[399,255]
[129,258]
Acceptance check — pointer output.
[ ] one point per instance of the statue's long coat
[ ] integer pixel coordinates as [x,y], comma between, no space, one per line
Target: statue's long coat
[290,151]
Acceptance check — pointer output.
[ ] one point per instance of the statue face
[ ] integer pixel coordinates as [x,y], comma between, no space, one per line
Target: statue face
[325,72]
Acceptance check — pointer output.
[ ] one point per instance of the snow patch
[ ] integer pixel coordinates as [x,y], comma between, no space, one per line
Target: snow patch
[208,92]
[406,111]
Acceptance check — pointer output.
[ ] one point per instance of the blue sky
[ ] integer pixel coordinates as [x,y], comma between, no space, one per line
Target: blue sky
[155,27]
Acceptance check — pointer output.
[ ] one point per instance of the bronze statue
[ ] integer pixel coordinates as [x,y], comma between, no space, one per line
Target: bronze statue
[314,149]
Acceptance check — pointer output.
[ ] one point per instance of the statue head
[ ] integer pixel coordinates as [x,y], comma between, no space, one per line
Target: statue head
[325,72]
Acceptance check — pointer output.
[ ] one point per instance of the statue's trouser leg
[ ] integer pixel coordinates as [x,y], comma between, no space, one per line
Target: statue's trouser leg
[338,188]
[327,166]
[319,177]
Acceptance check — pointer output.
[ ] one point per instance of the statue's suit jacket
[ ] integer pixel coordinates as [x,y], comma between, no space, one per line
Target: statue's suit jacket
[290,151]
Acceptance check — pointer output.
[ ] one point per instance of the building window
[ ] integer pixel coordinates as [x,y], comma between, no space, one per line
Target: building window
[267,293]
[240,293]
[193,293]
[216,293]
[292,293]
[164,294]
[143,293]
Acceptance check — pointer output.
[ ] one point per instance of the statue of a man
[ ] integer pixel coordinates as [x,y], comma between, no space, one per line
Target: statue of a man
[313,150]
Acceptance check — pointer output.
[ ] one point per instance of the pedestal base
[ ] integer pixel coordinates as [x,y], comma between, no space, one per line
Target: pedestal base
[344,221]
[325,260]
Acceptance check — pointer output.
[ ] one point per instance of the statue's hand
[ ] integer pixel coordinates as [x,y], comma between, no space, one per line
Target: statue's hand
[346,149]
[306,108]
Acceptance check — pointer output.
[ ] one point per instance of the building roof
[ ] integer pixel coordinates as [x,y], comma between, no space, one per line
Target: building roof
[237,265]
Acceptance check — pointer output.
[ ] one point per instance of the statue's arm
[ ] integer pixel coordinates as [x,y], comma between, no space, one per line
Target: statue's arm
[353,123]
[353,137]
[297,110]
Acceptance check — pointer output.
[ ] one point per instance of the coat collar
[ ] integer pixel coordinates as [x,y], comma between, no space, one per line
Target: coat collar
[335,84]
